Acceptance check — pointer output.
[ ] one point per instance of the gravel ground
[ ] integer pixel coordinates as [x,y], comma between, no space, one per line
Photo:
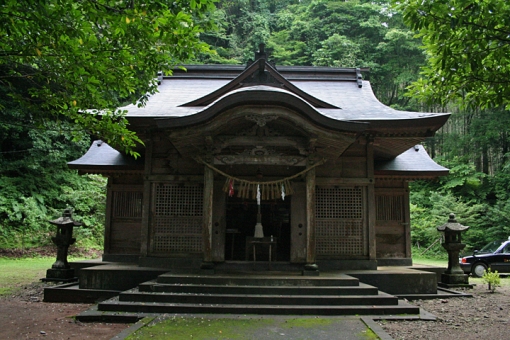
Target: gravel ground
[484,316]
[23,315]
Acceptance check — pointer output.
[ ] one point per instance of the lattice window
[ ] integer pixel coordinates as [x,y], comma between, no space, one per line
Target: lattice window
[127,204]
[177,244]
[177,200]
[339,221]
[178,225]
[389,207]
[177,219]
[339,203]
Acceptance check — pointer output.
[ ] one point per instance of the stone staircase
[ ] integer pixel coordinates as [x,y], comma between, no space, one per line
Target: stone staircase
[245,293]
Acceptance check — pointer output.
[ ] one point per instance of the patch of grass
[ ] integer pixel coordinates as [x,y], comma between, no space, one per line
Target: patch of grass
[368,334]
[187,327]
[199,328]
[16,273]
[307,322]
[430,262]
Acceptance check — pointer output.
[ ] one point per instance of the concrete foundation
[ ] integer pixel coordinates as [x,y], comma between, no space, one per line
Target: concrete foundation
[122,276]
[399,280]
[116,276]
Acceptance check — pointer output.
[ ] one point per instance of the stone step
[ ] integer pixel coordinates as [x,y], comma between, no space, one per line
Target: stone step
[71,292]
[114,305]
[254,280]
[257,299]
[362,289]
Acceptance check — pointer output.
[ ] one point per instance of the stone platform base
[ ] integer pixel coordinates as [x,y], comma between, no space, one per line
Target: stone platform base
[60,275]
[455,285]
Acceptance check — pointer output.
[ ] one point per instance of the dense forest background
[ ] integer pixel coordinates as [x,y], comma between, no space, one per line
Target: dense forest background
[35,184]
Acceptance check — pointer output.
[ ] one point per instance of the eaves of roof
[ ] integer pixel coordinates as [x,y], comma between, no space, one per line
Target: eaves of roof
[102,158]
[414,163]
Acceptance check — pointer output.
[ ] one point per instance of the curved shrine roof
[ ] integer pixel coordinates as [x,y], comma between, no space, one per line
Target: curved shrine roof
[350,97]
[335,98]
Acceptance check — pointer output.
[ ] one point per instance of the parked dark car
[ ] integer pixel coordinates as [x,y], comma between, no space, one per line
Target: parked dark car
[495,255]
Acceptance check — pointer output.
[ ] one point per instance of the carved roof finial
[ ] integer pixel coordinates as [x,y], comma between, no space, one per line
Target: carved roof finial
[261,53]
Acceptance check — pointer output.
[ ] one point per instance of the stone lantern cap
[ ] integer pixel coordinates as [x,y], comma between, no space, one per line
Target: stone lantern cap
[65,219]
[452,225]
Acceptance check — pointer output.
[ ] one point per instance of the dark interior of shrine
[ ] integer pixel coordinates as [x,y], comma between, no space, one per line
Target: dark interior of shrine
[241,218]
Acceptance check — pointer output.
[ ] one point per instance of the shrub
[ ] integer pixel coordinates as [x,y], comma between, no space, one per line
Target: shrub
[492,279]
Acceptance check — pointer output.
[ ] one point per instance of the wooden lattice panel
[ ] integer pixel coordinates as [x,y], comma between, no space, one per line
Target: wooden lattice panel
[177,219]
[171,244]
[339,222]
[127,204]
[389,207]
[339,203]
[178,225]
[179,200]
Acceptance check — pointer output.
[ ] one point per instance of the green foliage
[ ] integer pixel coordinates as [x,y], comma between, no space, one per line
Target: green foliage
[498,219]
[322,33]
[36,185]
[337,51]
[87,198]
[61,57]
[430,209]
[468,50]
[65,67]
[492,279]
[463,179]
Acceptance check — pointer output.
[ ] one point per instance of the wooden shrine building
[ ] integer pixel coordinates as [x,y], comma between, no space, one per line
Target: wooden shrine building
[310,148]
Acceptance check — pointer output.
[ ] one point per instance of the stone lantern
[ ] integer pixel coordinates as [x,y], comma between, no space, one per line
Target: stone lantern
[60,270]
[454,275]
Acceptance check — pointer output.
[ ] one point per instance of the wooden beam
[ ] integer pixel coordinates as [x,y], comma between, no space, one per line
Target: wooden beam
[222,142]
[260,160]
[176,178]
[325,181]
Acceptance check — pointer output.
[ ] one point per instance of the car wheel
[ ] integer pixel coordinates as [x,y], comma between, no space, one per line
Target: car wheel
[478,269]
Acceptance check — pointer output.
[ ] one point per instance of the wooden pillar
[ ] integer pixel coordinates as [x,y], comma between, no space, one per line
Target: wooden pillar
[310,217]
[146,204]
[219,225]
[208,216]
[298,224]
[108,217]
[371,216]
[407,221]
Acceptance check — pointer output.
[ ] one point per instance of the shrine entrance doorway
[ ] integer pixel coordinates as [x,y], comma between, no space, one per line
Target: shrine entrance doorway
[241,217]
